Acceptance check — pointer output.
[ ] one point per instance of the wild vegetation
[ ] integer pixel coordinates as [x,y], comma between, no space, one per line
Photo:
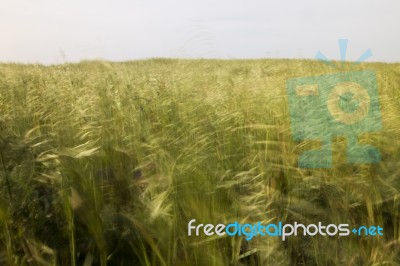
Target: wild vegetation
[105,163]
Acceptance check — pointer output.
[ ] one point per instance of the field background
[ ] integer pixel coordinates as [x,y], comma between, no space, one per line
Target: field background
[105,163]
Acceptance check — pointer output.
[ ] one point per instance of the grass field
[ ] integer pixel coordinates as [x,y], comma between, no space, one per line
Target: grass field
[105,163]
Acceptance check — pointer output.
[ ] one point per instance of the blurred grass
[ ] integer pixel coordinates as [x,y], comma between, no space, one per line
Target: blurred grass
[105,163]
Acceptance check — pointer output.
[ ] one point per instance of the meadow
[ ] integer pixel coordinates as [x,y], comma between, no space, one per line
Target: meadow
[105,163]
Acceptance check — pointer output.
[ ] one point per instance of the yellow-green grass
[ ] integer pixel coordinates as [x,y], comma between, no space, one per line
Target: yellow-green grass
[105,163]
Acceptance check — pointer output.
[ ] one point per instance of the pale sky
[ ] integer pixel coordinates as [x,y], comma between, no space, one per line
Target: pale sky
[57,31]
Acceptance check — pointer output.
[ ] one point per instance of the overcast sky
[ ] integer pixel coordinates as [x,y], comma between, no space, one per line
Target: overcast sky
[55,31]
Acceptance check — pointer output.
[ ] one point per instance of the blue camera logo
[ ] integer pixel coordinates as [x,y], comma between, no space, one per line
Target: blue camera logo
[340,104]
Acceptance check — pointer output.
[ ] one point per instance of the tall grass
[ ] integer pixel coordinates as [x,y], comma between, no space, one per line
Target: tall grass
[105,163]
